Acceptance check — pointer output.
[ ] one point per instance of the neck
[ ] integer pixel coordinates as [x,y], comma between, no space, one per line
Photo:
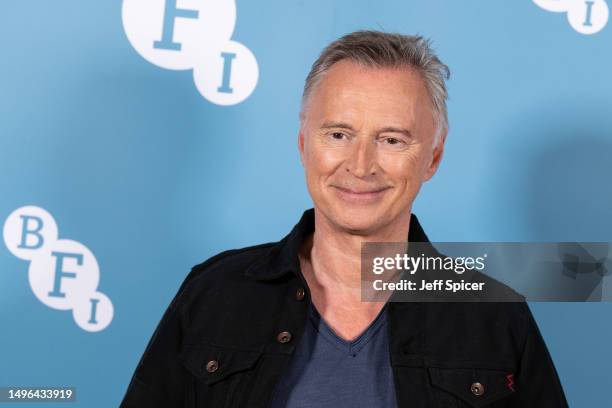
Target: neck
[332,254]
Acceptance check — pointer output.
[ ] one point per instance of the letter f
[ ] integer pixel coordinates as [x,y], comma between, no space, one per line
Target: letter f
[60,273]
[170,15]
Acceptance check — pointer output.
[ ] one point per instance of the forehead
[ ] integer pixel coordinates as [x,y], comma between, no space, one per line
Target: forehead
[351,92]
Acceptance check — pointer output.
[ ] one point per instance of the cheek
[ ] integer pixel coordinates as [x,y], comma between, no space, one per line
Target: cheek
[406,166]
[322,161]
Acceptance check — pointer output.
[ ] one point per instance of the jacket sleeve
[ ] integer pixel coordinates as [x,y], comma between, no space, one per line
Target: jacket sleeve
[160,381]
[536,382]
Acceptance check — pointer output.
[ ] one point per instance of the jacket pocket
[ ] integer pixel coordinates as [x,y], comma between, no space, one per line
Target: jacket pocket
[222,374]
[468,386]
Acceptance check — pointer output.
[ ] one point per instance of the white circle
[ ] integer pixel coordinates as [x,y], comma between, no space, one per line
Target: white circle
[556,6]
[227,75]
[93,312]
[29,231]
[143,22]
[588,19]
[59,291]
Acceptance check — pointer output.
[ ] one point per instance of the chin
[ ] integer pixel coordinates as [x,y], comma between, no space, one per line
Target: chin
[357,219]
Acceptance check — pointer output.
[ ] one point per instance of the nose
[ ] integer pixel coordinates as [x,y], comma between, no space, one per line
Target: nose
[362,158]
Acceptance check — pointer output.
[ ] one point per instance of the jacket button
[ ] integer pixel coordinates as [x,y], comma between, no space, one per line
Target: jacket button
[212,366]
[283,337]
[477,389]
[299,294]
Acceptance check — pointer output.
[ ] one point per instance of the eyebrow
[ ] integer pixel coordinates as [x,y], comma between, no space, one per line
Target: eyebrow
[342,125]
[336,125]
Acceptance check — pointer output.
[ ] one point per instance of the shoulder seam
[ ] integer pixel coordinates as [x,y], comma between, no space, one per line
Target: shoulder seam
[196,270]
[201,267]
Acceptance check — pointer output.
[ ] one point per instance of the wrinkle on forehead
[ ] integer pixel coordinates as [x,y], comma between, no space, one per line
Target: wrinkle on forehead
[372,97]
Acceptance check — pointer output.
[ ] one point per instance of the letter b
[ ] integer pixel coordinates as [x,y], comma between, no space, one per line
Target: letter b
[34,232]
[29,230]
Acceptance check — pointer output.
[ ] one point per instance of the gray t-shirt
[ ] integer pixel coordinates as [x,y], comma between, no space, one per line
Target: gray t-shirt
[328,371]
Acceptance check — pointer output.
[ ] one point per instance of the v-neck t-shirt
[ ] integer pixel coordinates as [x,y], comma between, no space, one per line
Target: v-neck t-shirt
[328,371]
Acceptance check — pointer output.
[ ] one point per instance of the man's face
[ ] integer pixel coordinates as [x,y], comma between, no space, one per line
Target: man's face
[366,143]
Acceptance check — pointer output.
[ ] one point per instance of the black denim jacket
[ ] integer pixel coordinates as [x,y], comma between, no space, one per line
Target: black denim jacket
[228,336]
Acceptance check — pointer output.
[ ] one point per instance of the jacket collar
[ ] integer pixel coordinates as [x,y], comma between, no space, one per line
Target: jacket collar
[282,257]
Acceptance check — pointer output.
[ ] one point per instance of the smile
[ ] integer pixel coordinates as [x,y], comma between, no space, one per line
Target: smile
[360,197]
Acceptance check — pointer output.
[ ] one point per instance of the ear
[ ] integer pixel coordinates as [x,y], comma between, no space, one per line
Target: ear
[301,144]
[436,157]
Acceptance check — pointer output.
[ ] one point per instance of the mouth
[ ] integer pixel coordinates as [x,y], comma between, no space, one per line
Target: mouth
[365,196]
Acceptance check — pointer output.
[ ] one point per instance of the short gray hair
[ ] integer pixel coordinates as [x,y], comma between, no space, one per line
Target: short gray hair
[378,49]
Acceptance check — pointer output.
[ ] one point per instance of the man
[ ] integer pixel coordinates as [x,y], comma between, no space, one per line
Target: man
[283,324]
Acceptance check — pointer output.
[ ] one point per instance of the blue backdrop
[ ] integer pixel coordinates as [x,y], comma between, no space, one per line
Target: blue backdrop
[153,169]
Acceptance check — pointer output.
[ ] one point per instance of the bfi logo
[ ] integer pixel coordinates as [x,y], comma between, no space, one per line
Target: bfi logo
[196,35]
[63,273]
[585,16]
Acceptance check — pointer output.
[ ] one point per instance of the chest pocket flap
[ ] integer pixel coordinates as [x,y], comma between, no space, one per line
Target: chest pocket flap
[478,387]
[211,363]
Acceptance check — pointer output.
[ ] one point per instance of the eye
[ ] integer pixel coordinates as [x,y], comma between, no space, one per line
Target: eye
[394,141]
[337,135]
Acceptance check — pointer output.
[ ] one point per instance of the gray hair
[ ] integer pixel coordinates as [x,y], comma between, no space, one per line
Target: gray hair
[378,49]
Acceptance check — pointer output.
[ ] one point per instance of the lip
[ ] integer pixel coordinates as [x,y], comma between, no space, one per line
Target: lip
[360,197]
